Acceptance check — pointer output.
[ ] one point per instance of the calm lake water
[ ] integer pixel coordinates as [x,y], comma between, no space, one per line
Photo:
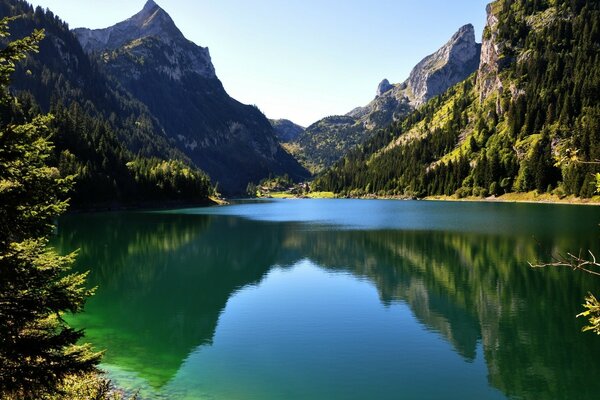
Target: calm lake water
[340,299]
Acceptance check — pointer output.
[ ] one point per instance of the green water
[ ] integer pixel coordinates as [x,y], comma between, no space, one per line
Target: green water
[340,299]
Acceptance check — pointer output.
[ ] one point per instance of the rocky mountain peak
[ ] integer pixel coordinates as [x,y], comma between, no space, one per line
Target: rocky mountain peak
[150,4]
[150,21]
[452,63]
[150,32]
[153,16]
[383,87]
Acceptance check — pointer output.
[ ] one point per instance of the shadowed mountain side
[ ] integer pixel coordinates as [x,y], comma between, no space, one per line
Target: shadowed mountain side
[175,78]
[286,130]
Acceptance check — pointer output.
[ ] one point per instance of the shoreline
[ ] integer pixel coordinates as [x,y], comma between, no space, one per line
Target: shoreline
[145,206]
[528,197]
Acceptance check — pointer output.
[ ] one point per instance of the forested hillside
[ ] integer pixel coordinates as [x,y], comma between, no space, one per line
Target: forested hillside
[104,136]
[528,120]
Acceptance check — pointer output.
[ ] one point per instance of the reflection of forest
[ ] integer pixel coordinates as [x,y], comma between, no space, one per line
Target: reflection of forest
[174,274]
[471,287]
[163,281]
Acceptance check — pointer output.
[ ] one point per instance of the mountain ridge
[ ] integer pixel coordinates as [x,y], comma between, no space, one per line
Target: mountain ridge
[433,75]
[149,56]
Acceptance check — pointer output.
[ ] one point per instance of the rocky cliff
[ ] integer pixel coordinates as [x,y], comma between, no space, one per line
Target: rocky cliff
[150,57]
[487,75]
[452,63]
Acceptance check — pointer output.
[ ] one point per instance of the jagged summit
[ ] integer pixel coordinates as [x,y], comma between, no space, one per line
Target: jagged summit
[383,87]
[145,30]
[150,21]
[450,64]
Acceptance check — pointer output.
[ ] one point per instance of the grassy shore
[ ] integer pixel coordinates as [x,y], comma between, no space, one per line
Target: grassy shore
[311,195]
[528,197]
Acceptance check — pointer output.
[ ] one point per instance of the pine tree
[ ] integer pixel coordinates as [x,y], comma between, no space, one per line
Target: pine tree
[37,348]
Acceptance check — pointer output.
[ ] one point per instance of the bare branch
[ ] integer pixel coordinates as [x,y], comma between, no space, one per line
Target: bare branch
[574,262]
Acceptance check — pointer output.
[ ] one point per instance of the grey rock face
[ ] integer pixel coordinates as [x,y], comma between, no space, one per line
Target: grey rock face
[487,75]
[151,22]
[383,87]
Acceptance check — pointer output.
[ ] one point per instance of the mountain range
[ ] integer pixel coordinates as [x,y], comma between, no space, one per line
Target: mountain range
[140,110]
[170,82]
[328,139]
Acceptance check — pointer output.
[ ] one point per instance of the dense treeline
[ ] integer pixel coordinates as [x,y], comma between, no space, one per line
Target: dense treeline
[39,351]
[103,136]
[540,131]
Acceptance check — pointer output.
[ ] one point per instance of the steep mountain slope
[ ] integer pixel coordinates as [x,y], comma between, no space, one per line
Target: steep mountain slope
[175,78]
[102,132]
[327,140]
[528,120]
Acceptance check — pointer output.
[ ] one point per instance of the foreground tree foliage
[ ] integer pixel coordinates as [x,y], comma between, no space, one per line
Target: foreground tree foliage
[38,350]
[588,265]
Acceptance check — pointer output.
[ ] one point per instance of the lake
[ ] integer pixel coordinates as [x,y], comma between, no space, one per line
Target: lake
[340,299]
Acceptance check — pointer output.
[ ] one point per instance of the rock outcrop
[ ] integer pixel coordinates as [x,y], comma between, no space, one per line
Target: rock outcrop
[383,87]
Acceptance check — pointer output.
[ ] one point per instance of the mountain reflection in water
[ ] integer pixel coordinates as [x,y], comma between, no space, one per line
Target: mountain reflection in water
[165,280]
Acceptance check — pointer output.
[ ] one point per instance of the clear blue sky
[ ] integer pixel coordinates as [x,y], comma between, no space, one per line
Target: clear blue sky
[300,59]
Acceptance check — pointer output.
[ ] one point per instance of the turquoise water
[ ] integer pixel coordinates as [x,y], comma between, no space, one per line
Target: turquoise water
[340,299]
